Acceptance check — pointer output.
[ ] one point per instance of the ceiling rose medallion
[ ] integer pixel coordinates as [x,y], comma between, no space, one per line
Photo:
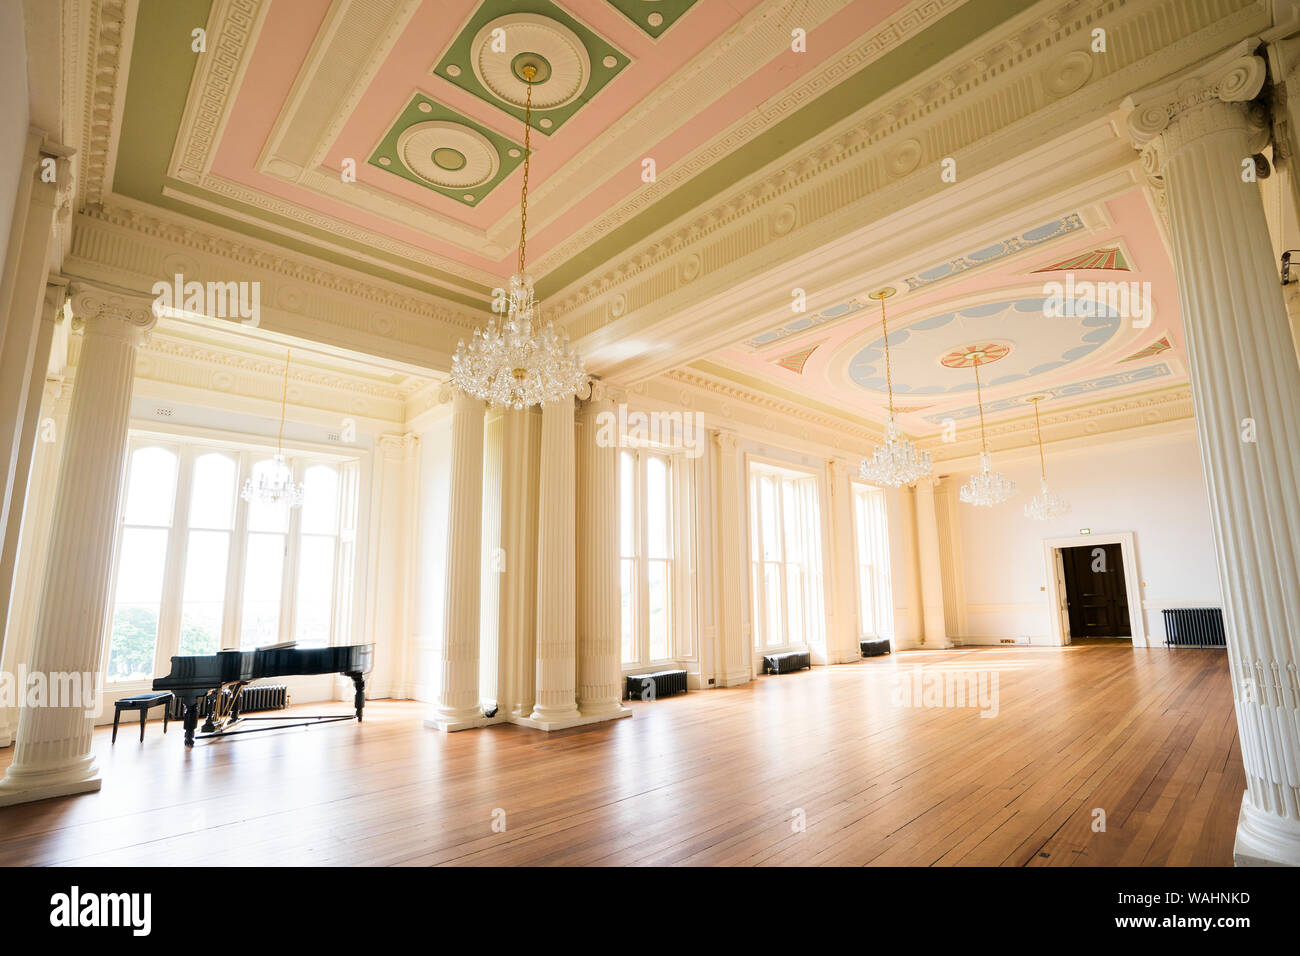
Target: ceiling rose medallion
[512,364]
[897,462]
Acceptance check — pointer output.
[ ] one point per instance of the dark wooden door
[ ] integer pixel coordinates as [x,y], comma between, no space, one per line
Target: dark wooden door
[1097,600]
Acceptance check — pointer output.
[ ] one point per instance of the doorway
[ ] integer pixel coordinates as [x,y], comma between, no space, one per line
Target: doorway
[1096,597]
[1101,605]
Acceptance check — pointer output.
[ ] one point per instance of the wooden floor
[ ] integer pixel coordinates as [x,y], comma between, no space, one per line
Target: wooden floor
[716,777]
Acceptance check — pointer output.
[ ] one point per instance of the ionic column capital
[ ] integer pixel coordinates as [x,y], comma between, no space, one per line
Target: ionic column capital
[112,312]
[1214,97]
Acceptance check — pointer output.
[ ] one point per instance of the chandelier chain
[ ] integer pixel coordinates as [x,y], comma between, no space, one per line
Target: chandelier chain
[1038,427]
[529,72]
[979,401]
[284,398]
[889,369]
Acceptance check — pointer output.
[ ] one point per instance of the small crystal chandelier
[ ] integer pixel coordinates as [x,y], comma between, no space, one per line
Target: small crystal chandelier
[510,364]
[275,485]
[897,462]
[988,487]
[1047,503]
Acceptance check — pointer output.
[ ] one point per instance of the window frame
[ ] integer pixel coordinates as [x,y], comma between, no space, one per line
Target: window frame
[189,444]
[882,570]
[681,576]
[810,504]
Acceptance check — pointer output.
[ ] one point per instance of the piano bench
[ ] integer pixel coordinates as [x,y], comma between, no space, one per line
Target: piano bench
[143,703]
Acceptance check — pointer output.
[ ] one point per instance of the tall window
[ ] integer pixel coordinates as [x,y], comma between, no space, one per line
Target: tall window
[142,550]
[871,535]
[647,556]
[785,558]
[199,569]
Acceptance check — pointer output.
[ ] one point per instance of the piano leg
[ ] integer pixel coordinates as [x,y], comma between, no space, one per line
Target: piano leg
[191,719]
[214,699]
[359,680]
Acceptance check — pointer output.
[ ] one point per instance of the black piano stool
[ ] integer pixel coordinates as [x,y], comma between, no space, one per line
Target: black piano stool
[143,703]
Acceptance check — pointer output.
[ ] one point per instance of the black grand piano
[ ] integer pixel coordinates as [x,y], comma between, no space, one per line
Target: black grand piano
[221,677]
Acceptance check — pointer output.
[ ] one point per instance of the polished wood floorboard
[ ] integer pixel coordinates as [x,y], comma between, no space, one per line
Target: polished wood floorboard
[716,777]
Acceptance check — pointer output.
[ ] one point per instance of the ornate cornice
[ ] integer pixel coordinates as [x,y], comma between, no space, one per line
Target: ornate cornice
[886,157]
[747,398]
[223,358]
[1090,420]
[111,22]
[187,234]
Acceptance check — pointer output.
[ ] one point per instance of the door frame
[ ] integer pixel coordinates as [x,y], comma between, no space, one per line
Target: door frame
[1132,583]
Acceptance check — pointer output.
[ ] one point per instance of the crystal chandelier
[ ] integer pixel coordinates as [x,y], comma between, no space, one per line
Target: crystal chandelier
[275,484]
[1047,503]
[988,487]
[510,363]
[897,462]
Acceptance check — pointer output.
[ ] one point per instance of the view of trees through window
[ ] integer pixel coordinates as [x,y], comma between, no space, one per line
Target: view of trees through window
[199,569]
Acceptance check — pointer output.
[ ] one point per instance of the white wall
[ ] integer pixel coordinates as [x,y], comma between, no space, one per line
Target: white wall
[1154,489]
[14,118]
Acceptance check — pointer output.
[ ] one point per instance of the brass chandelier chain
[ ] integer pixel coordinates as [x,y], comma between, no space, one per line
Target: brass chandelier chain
[529,72]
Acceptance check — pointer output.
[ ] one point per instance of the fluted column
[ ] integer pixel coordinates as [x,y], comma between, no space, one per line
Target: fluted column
[33,543]
[457,706]
[600,651]
[29,300]
[26,431]
[842,641]
[556,586]
[734,653]
[520,456]
[1195,133]
[927,546]
[52,756]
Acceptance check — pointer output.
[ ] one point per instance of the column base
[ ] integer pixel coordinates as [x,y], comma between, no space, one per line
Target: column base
[843,657]
[609,710]
[942,644]
[564,723]
[736,678]
[20,786]
[448,723]
[1264,839]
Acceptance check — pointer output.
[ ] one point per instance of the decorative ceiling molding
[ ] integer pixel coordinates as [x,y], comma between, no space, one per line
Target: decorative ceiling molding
[762,35]
[106,58]
[1086,421]
[1011,98]
[372,27]
[759,38]
[1109,258]
[133,245]
[1161,344]
[734,402]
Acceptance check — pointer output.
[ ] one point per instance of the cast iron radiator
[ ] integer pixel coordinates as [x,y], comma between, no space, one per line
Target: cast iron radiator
[1194,627]
[655,685]
[787,662]
[254,697]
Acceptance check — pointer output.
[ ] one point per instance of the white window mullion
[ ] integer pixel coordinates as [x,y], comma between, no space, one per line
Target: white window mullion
[169,614]
[232,616]
[289,575]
